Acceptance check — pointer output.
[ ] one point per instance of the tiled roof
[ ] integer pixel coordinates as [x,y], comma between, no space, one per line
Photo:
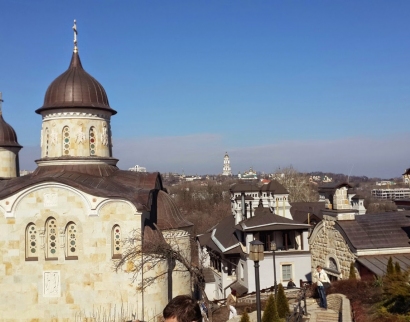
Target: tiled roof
[373,231]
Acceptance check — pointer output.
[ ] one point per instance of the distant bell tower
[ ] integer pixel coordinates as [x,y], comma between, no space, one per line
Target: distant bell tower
[9,149]
[226,171]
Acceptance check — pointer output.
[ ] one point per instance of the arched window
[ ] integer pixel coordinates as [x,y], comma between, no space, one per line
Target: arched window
[51,238]
[93,142]
[31,243]
[116,242]
[71,246]
[66,140]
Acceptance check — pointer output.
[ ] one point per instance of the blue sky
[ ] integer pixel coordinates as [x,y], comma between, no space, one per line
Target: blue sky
[320,85]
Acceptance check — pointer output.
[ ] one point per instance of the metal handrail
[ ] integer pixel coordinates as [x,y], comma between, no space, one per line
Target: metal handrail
[298,310]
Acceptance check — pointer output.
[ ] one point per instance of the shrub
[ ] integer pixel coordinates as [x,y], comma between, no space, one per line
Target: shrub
[352,273]
[390,267]
[245,317]
[397,269]
[282,302]
[270,314]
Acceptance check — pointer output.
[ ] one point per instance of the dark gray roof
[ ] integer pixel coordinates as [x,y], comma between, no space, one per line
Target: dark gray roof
[334,185]
[270,222]
[300,210]
[224,233]
[378,263]
[385,230]
[357,196]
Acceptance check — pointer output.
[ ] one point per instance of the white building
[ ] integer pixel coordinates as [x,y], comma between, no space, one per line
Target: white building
[226,170]
[397,193]
[138,168]
[63,226]
[225,249]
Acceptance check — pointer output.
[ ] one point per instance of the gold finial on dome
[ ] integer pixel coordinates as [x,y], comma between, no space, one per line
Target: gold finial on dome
[75,36]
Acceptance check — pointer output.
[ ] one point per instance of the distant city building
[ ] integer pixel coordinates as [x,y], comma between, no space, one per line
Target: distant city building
[317,179]
[385,183]
[248,175]
[137,168]
[397,193]
[406,176]
[25,172]
[226,171]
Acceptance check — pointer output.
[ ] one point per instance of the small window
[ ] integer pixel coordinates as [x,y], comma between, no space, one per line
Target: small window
[51,239]
[116,242]
[66,140]
[286,272]
[47,138]
[92,141]
[242,271]
[71,234]
[31,243]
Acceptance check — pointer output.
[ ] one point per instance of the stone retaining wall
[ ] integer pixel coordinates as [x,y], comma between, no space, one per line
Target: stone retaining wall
[341,304]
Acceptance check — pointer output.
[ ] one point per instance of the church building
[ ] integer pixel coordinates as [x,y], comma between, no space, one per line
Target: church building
[63,226]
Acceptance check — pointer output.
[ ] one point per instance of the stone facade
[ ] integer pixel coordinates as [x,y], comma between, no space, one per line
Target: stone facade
[9,162]
[43,286]
[330,250]
[78,133]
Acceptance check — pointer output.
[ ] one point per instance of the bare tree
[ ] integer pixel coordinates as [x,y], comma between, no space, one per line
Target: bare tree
[157,257]
[298,185]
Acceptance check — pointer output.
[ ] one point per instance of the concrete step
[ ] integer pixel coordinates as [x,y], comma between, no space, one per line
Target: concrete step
[327,317]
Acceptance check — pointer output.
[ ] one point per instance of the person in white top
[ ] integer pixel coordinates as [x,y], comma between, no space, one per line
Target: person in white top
[321,278]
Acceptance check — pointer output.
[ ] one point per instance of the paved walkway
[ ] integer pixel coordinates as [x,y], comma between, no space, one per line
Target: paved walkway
[318,314]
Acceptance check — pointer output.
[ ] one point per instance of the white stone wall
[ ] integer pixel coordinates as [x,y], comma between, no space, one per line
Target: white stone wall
[79,123]
[43,289]
[328,245]
[8,163]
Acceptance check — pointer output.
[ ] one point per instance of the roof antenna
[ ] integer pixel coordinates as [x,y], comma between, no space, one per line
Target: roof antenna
[1,103]
[75,36]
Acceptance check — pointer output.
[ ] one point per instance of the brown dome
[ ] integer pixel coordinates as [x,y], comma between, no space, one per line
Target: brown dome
[75,88]
[168,215]
[8,137]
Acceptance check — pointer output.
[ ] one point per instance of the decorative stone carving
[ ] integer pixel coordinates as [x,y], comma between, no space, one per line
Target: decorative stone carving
[51,283]
[50,200]
[104,135]
[53,137]
[80,137]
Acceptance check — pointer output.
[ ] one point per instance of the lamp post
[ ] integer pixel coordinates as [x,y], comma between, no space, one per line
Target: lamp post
[273,249]
[256,254]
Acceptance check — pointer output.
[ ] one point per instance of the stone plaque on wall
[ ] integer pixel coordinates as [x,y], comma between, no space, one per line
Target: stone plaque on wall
[50,200]
[51,283]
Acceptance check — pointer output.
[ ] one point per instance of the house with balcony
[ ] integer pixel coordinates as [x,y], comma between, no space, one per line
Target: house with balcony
[259,212]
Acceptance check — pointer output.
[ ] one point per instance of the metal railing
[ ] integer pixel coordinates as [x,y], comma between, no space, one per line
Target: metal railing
[300,308]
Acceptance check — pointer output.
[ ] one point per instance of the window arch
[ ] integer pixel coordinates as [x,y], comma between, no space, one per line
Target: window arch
[93,142]
[116,242]
[66,140]
[31,243]
[51,238]
[71,244]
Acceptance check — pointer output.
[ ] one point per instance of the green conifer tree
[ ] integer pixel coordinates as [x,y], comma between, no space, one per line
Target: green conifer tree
[245,317]
[352,273]
[270,313]
[282,303]
[390,268]
[397,268]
